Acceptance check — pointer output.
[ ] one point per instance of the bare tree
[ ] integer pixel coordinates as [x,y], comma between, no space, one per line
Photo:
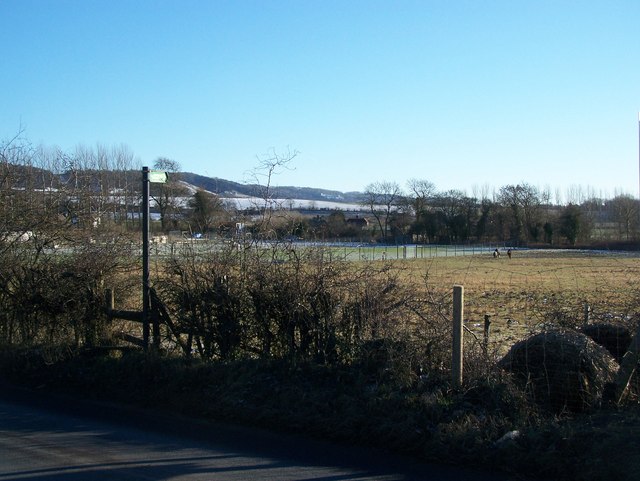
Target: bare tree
[459,215]
[482,192]
[523,202]
[269,165]
[382,198]
[88,182]
[127,184]
[420,191]
[624,212]
[167,196]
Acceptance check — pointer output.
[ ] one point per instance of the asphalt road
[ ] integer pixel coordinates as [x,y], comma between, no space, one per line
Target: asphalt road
[47,439]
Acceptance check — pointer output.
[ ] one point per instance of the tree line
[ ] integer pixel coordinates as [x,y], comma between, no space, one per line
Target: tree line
[101,186]
[519,214]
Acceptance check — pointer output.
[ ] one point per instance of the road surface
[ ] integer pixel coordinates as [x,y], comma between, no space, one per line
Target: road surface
[52,440]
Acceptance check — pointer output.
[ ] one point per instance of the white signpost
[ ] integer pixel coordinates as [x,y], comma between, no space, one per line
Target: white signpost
[158,177]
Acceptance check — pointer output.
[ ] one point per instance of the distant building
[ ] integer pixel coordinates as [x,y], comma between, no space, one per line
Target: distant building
[358,221]
[331,196]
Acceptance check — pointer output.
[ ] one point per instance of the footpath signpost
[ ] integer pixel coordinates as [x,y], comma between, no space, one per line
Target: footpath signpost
[156,177]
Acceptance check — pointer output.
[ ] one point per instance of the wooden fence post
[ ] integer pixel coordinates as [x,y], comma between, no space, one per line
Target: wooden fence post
[487,329]
[627,367]
[109,298]
[587,312]
[109,301]
[457,352]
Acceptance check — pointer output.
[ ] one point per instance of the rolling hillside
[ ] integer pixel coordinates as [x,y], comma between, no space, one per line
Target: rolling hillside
[226,188]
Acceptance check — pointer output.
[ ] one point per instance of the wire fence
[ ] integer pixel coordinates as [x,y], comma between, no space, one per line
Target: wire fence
[338,251]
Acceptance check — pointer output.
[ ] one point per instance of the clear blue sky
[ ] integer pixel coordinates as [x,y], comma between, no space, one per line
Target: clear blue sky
[461,93]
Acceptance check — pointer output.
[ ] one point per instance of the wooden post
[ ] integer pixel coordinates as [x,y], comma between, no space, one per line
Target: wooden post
[155,323]
[458,314]
[487,328]
[587,312]
[627,367]
[109,302]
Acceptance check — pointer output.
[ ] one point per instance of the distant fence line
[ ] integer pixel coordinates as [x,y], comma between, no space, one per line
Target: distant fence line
[332,251]
[341,251]
[408,251]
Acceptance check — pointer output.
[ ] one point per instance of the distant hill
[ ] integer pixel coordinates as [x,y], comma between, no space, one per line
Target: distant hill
[222,187]
[227,188]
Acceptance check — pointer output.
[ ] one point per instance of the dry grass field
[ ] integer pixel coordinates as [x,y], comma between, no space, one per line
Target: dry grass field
[534,288]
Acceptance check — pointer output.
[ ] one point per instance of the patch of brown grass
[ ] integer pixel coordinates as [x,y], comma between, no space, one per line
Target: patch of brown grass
[534,289]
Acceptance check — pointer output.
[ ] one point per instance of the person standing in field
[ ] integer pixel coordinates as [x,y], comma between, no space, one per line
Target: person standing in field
[509,253]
